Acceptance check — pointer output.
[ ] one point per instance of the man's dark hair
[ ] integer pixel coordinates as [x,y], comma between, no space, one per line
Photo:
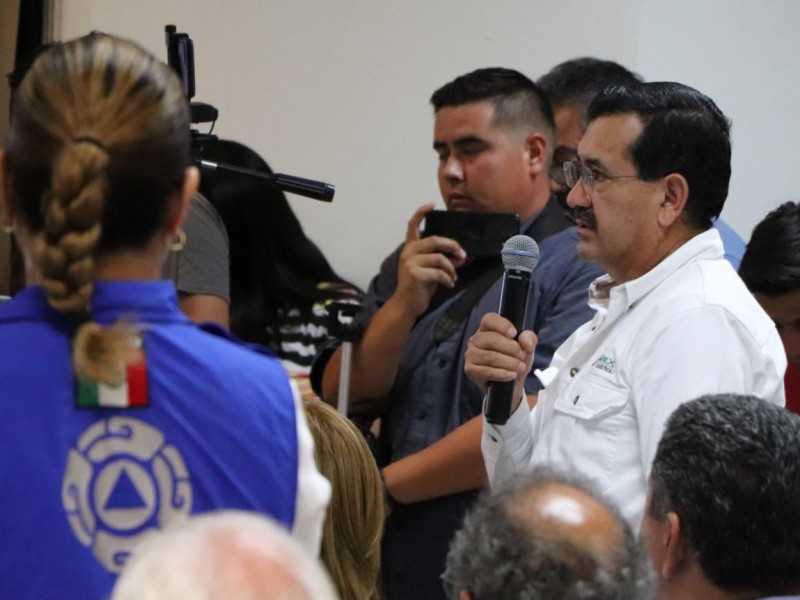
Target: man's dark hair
[518,101]
[683,132]
[771,262]
[729,467]
[579,80]
[498,556]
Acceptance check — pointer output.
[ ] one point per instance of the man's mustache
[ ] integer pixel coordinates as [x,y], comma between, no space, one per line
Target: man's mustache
[581,213]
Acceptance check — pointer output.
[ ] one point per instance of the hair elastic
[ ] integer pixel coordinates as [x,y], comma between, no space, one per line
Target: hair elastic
[90,140]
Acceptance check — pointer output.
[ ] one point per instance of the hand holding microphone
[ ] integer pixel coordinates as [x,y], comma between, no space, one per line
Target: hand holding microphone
[493,356]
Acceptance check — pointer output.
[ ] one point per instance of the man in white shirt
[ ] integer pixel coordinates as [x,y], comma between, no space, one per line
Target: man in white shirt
[673,321]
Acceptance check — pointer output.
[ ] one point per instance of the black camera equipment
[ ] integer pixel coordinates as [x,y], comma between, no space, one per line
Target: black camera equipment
[180,56]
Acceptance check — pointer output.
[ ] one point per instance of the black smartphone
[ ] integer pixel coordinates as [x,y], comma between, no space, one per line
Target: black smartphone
[478,233]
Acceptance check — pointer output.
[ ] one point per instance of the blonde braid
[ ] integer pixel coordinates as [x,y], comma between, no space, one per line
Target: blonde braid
[65,248]
[72,225]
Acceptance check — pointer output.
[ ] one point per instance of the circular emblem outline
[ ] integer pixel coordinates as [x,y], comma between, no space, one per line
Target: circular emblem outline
[122,480]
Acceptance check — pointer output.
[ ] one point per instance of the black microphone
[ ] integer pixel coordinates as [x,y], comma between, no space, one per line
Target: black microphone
[318,190]
[520,257]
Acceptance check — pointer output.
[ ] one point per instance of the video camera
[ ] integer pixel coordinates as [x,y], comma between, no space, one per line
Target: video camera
[180,56]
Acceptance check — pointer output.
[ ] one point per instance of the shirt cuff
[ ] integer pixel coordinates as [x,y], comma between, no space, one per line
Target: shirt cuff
[507,448]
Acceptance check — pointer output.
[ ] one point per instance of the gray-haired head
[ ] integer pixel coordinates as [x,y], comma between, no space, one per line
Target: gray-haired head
[547,536]
[728,468]
[223,555]
[578,80]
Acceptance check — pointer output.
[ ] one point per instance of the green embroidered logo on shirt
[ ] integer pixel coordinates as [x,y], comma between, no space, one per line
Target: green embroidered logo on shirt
[605,363]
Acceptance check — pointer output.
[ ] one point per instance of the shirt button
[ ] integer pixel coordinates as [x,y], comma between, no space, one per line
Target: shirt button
[576,399]
[573,371]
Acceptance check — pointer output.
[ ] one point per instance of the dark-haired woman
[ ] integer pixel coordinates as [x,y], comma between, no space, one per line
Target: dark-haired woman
[282,286]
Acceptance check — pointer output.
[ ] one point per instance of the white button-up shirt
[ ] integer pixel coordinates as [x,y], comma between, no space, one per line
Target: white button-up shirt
[686,328]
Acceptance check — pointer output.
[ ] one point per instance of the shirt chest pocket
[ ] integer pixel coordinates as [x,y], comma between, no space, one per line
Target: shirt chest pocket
[591,398]
[593,424]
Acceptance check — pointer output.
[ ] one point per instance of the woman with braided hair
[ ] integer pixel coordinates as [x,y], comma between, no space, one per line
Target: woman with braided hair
[118,415]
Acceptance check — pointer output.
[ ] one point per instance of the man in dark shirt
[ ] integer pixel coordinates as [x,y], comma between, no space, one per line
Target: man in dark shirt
[493,135]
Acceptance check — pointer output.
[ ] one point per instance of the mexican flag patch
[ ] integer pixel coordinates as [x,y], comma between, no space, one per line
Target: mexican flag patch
[132,392]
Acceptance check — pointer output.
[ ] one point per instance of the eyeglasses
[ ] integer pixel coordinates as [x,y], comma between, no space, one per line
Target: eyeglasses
[556,173]
[589,176]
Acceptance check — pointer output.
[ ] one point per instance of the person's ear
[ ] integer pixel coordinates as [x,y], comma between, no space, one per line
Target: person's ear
[536,153]
[675,546]
[191,181]
[676,194]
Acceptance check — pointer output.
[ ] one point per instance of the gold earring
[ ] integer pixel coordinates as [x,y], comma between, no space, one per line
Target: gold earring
[9,227]
[177,243]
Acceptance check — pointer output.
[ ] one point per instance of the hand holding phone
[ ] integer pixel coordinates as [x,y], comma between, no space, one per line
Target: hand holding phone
[478,233]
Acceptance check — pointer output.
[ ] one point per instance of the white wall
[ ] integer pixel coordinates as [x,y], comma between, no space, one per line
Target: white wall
[338,91]
[743,54]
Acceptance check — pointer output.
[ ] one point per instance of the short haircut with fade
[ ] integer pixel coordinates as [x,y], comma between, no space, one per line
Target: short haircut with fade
[518,102]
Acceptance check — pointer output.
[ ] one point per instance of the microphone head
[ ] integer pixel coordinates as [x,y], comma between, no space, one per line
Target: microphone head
[520,253]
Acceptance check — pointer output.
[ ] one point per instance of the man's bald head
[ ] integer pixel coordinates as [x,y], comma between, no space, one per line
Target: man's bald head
[572,518]
[548,537]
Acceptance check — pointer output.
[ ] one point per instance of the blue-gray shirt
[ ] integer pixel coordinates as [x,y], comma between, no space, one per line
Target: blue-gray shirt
[432,396]
[734,245]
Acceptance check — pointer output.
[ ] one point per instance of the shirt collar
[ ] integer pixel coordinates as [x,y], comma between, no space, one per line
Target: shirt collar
[704,246]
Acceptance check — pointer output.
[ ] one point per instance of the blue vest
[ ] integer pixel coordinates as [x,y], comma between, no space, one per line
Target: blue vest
[80,487]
